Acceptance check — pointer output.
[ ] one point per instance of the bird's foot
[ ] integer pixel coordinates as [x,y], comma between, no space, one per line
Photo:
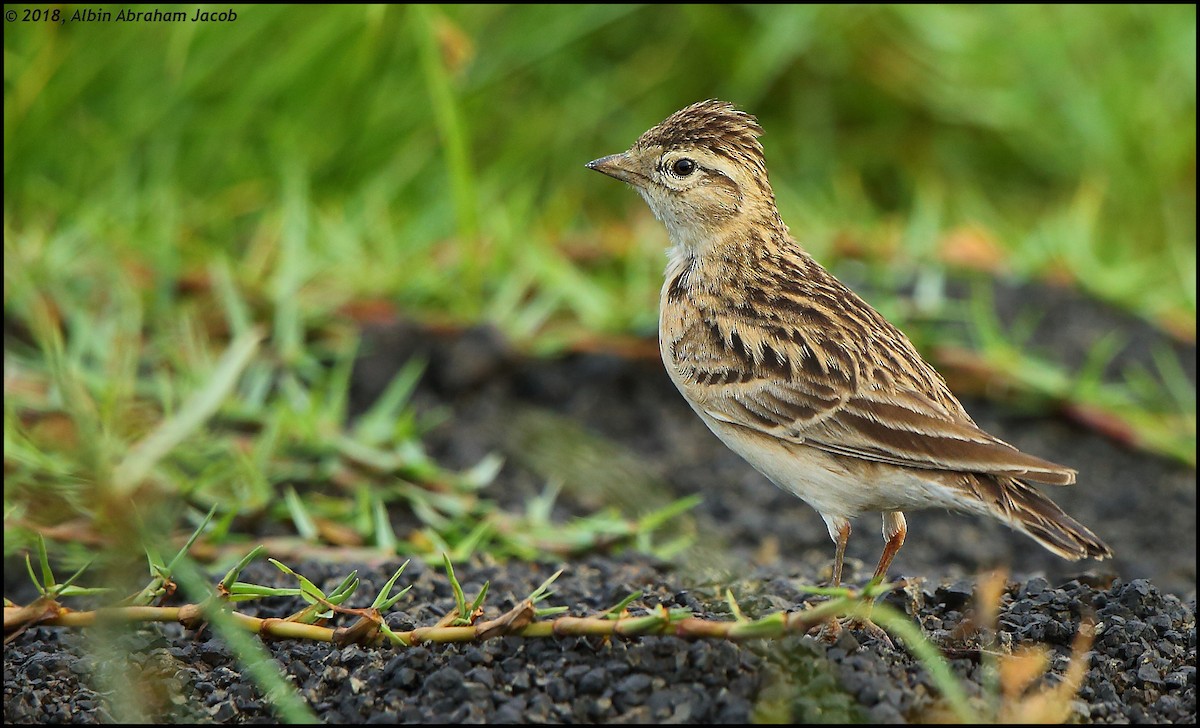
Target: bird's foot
[831,630]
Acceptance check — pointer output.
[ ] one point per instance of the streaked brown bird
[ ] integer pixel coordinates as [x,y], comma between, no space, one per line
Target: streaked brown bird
[796,373]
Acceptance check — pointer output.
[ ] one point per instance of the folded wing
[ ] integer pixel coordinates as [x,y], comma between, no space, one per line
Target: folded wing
[898,425]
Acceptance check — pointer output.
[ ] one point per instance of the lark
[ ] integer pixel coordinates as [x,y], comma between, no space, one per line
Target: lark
[797,374]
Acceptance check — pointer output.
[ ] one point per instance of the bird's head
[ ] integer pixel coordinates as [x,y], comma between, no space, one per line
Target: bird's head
[701,171]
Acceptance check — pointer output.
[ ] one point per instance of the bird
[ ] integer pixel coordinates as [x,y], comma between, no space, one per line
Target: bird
[800,376]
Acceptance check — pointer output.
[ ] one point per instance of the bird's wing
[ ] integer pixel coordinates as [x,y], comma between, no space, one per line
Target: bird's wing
[799,395]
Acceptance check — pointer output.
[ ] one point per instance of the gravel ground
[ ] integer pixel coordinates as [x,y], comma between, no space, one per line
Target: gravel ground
[614,430]
[1142,667]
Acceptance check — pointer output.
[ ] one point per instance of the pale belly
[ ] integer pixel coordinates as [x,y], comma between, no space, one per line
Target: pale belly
[837,485]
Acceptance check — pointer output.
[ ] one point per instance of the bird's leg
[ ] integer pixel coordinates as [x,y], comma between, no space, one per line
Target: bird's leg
[894,531]
[839,531]
[843,536]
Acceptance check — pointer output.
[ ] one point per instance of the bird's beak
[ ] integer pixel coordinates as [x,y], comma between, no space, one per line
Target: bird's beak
[619,166]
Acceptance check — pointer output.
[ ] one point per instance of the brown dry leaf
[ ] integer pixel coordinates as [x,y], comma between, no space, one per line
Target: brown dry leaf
[52,431]
[1058,274]
[628,347]
[337,533]
[969,373]
[1053,704]
[77,530]
[362,632]
[987,596]
[455,45]
[140,273]
[768,551]
[19,619]
[194,283]
[370,311]
[1179,323]
[513,622]
[1019,670]
[1102,421]
[973,248]
[849,246]
[420,541]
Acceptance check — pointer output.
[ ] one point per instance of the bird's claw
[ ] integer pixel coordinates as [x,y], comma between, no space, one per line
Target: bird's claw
[832,629]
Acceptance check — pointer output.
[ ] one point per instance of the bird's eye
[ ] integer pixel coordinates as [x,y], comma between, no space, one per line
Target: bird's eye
[683,167]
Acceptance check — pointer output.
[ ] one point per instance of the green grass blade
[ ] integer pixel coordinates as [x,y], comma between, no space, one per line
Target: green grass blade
[201,405]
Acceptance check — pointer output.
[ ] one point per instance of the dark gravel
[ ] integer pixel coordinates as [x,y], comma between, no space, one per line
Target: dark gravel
[1142,667]
[614,430]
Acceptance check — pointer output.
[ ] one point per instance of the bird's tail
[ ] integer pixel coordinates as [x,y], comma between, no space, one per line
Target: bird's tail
[1028,511]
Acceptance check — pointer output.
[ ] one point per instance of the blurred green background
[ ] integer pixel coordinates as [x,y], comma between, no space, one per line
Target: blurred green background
[169,185]
[436,154]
